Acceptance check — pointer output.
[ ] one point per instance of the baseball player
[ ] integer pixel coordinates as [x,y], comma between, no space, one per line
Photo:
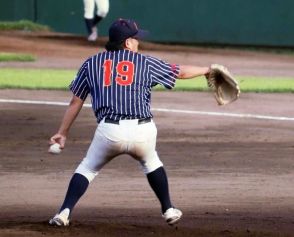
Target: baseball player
[119,81]
[92,19]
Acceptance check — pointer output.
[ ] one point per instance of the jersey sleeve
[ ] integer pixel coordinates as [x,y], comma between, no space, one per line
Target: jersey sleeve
[162,73]
[79,86]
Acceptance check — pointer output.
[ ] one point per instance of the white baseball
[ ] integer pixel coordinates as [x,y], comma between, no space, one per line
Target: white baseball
[54,149]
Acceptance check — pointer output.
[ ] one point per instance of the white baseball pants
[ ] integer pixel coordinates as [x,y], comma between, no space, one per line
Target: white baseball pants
[111,140]
[89,8]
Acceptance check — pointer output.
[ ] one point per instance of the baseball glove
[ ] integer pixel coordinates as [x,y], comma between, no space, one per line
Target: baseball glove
[225,87]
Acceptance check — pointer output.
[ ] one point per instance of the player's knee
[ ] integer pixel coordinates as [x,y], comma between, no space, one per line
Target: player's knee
[84,170]
[151,164]
[88,16]
[102,12]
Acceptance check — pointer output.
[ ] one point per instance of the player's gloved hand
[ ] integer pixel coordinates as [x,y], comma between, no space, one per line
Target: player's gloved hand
[225,87]
[58,138]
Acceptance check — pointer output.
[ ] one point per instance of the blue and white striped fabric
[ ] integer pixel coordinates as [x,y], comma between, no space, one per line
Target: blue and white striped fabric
[120,83]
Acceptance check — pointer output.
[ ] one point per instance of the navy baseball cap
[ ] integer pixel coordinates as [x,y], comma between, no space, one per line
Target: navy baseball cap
[122,29]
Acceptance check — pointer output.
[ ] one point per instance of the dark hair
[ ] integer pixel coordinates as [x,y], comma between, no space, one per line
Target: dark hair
[114,46]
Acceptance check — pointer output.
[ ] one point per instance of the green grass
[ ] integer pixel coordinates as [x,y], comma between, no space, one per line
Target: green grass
[60,79]
[247,84]
[9,57]
[262,84]
[36,78]
[22,25]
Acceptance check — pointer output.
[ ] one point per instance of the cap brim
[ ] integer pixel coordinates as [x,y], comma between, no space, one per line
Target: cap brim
[141,34]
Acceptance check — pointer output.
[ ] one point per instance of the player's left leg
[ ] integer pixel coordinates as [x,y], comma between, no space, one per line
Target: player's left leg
[77,187]
[100,152]
[102,9]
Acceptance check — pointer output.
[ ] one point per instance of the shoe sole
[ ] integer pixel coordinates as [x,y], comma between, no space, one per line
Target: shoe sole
[173,221]
[57,222]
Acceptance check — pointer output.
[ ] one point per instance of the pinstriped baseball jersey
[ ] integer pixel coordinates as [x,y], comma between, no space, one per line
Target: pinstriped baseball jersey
[120,83]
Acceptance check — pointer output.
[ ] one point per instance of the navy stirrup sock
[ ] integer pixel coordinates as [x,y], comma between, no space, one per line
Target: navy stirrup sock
[159,183]
[89,25]
[97,19]
[77,187]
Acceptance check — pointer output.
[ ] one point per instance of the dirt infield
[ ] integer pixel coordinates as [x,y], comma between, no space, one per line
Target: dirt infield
[231,176]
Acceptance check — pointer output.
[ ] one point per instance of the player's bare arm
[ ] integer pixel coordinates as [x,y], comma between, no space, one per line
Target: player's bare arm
[70,115]
[189,72]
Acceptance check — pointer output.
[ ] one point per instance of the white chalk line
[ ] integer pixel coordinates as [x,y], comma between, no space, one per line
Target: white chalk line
[236,115]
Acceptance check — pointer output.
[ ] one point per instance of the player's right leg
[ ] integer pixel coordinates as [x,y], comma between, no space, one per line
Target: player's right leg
[89,7]
[143,149]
